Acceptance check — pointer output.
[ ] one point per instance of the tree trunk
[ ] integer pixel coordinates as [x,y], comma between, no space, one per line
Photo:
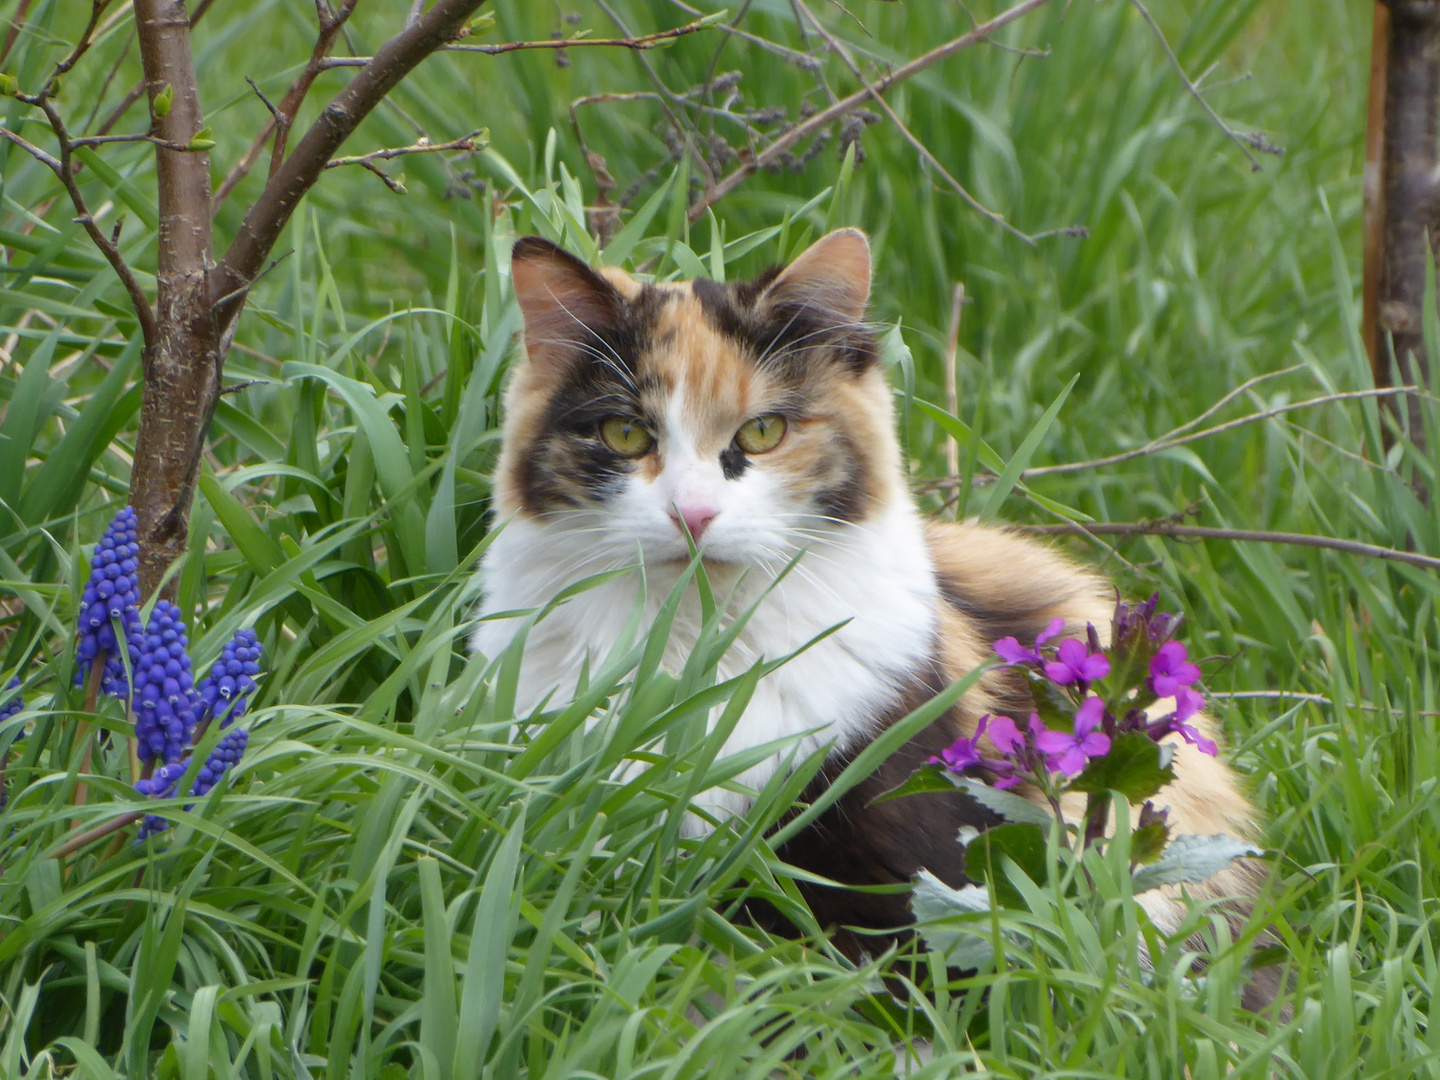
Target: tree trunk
[182,364]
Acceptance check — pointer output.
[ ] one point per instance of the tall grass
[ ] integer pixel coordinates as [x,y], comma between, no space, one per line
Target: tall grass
[404,878]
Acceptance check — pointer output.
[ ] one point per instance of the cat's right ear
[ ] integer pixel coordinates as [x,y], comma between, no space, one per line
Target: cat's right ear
[564,301]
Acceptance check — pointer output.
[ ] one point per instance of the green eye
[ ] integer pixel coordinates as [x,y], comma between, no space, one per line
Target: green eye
[762,434]
[625,436]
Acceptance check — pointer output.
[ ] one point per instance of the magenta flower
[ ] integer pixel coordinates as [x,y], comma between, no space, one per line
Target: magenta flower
[1191,735]
[1076,662]
[1170,670]
[963,753]
[1005,735]
[1068,753]
[1012,652]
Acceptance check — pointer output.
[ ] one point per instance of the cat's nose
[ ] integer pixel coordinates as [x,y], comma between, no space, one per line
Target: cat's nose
[695,517]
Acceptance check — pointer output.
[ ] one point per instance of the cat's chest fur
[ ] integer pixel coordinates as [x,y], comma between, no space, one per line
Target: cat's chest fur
[876,579]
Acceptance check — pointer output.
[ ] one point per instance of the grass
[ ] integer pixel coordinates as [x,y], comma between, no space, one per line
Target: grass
[401,882]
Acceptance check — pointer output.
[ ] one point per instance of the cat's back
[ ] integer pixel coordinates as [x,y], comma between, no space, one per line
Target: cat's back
[1005,584]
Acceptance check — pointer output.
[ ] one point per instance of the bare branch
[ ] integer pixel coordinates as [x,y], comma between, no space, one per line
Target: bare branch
[476,140]
[1200,532]
[920,148]
[1171,439]
[1246,142]
[437,26]
[283,116]
[64,170]
[718,190]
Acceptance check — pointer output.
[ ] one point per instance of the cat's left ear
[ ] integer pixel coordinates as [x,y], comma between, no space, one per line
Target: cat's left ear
[831,275]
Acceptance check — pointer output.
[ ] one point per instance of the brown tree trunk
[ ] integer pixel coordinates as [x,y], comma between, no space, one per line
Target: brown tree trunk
[182,364]
[1412,103]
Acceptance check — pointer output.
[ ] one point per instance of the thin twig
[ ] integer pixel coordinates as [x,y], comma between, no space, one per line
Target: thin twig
[473,141]
[99,832]
[64,170]
[920,148]
[1243,141]
[1201,532]
[952,389]
[802,60]
[718,190]
[1167,442]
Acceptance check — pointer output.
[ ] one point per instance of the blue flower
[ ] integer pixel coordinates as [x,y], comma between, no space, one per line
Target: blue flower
[15,704]
[162,784]
[165,702]
[110,601]
[225,692]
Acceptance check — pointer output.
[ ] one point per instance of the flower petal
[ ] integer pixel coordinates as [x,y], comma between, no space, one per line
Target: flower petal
[1057,671]
[1055,742]
[1089,714]
[1096,744]
[1005,736]
[1056,626]
[1012,652]
[1070,763]
[1095,666]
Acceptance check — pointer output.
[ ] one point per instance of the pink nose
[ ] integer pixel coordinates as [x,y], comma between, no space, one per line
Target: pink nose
[696,519]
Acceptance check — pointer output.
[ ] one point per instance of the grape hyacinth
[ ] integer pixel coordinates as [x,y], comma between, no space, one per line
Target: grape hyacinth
[111,597]
[226,754]
[225,692]
[15,704]
[165,701]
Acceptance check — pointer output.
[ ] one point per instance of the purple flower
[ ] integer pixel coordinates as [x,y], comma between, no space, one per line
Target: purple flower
[1005,735]
[1075,662]
[962,753]
[1012,652]
[162,784]
[1067,752]
[1170,670]
[1133,620]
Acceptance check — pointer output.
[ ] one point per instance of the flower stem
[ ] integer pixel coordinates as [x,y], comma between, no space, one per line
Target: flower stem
[75,843]
[82,729]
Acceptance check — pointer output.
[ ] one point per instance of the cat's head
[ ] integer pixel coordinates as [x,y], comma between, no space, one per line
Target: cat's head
[754,415]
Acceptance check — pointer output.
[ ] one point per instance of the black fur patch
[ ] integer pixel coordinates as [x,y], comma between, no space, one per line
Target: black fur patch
[785,337]
[855,843]
[733,462]
[847,492]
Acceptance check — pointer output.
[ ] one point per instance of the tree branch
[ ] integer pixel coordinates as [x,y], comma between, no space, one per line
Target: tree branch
[297,173]
[718,190]
[1200,532]
[64,169]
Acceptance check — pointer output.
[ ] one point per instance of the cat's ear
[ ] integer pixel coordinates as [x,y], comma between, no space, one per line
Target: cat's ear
[562,299]
[832,275]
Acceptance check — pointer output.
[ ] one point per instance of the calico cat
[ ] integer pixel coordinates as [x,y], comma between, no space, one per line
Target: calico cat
[757,419]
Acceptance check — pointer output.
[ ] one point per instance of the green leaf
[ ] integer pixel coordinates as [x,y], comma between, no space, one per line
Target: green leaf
[1134,767]
[1148,841]
[1018,462]
[1022,844]
[933,902]
[927,778]
[1190,859]
[1007,804]
[160,105]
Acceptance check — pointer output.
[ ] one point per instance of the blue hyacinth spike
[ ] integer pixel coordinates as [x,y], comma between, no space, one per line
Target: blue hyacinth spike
[226,755]
[165,703]
[15,704]
[225,692]
[110,601]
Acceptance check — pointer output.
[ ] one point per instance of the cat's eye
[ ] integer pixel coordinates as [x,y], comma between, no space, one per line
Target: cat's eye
[762,434]
[625,436]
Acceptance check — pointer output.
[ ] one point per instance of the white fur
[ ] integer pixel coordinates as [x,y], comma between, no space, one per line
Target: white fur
[876,574]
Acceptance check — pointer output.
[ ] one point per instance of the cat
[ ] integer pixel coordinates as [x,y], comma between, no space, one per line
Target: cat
[755,419]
